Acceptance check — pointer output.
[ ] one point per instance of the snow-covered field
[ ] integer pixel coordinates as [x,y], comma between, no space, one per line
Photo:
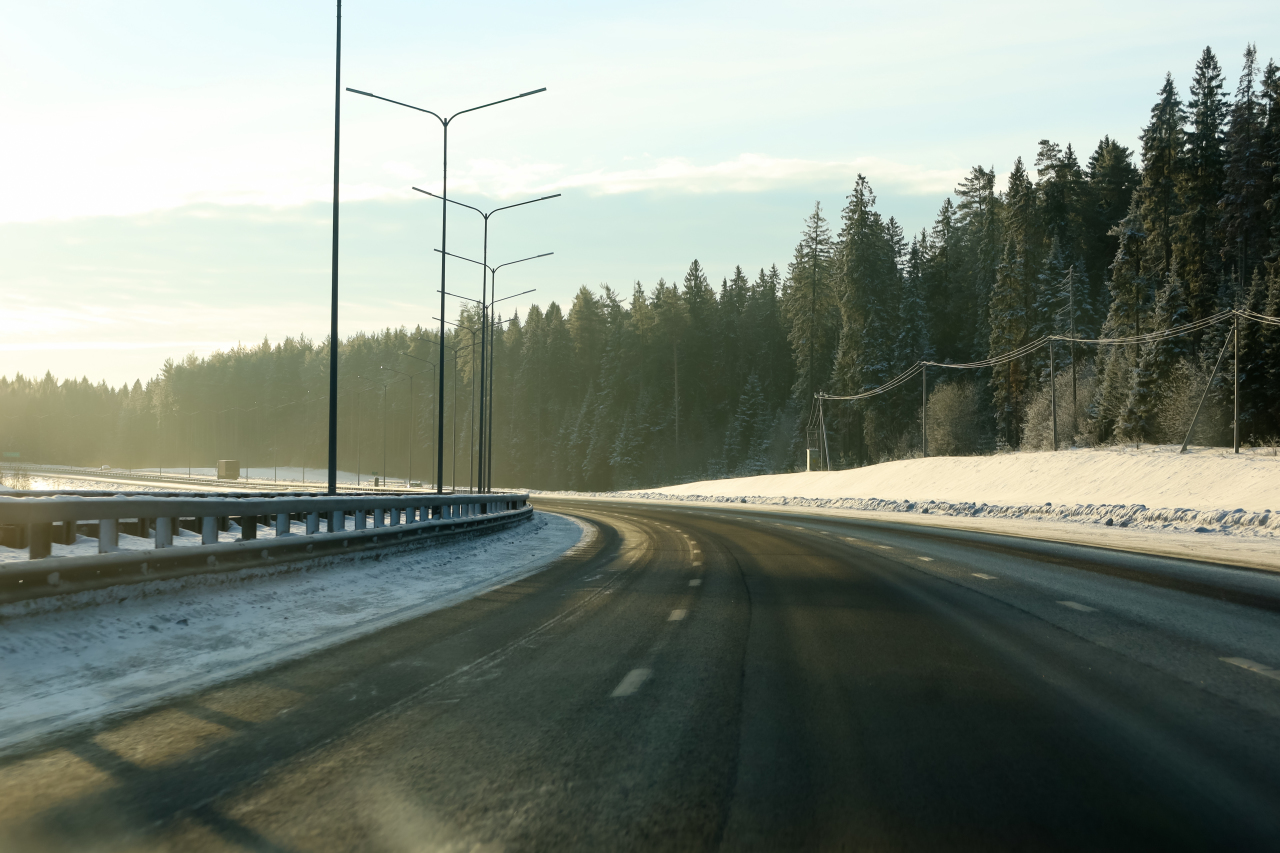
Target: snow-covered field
[1155,488]
[66,661]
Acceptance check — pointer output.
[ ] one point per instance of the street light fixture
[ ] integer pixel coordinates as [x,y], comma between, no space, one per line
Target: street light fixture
[484,305]
[444,219]
[486,479]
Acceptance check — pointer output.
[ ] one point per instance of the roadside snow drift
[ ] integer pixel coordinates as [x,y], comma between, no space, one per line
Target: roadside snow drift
[66,661]
[1205,491]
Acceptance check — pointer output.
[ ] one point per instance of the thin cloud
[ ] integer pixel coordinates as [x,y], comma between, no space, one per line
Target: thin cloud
[747,173]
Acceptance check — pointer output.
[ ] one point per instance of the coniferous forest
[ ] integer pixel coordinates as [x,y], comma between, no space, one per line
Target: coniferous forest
[690,379]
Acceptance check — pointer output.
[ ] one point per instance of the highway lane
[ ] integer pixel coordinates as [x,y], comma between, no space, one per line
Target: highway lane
[710,677]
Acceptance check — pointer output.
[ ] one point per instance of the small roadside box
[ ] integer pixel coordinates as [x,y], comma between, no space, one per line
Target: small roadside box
[228,469]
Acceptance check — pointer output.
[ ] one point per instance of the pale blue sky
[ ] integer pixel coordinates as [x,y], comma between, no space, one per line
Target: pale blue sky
[164,173]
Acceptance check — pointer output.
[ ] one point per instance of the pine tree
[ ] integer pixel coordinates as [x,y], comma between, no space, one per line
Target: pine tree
[1198,232]
[1156,362]
[1156,198]
[810,308]
[1010,329]
[1112,180]
[979,217]
[943,297]
[1063,201]
[869,284]
[1271,158]
[1245,191]
[1118,363]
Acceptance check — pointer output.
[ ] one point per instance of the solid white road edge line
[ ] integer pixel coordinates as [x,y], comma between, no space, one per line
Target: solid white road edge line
[984,577]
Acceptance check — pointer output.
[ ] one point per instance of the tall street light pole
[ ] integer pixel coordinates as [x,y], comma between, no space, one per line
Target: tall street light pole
[444,219]
[487,482]
[333,307]
[484,307]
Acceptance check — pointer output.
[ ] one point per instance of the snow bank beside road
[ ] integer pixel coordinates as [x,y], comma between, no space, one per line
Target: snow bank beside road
[67,662]
[1156,477]
[1154,488]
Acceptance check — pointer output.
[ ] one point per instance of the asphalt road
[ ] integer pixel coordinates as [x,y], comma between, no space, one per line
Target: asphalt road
[711,677]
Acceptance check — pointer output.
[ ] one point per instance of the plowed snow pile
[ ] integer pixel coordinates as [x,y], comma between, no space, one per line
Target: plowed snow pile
[1205,491]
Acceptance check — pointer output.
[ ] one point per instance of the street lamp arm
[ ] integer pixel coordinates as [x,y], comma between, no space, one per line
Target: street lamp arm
[490,104]
[456,296]
[512,296]
[397,103]
[459,325]
[520,203]
[468,260]
[522,260]
[452,201]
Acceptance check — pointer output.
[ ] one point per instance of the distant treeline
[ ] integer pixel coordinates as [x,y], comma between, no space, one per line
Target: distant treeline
[686,380]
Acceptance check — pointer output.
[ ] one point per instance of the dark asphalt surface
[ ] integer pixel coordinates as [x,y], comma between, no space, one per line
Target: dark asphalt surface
[710,677]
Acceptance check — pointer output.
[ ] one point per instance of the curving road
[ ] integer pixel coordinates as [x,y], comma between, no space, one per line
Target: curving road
[712,677]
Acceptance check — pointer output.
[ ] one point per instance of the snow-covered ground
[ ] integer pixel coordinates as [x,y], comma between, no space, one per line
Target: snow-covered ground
[1155,489]
[66,661]
[1153,477]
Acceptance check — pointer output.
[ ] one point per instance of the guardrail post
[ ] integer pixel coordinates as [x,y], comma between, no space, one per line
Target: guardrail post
[282,524]
[377,518]
[164,532]
[248,527]
[395,517]
[66,533]
[313,523]
[209,530]
[108,535]
[39,540]
[359,519]
[337,521]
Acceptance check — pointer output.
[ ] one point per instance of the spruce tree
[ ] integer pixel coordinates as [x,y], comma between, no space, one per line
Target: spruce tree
[1157,196]
[1010,329]
[1245,191]
[1198,234]
[810,309]
[1112,180]
[979,219]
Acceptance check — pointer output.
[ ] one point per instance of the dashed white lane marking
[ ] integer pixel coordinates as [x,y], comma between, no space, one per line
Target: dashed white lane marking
[1075,605]
[1253,666]
[927,559]
[885,547]
[697,562]
[677,615]
[984,577]
[631,682]
[696,582]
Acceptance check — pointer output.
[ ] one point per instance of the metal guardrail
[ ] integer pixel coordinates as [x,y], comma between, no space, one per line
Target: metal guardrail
[351,522]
